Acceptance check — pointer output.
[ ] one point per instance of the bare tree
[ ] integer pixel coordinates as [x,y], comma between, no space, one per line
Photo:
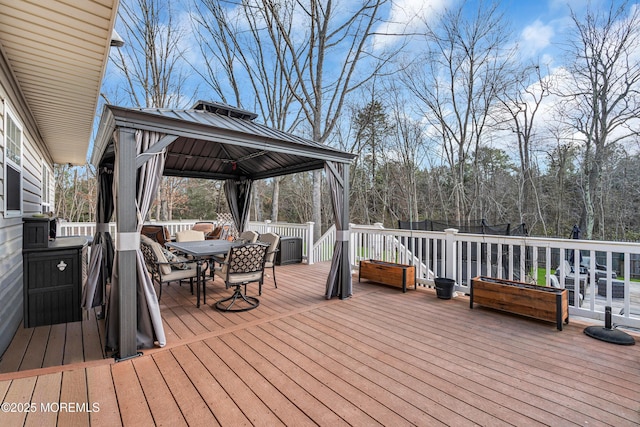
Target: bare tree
[152,68]
[151,59]
[457,81]
[521,100]
[234,54]
[318,47]
[602,98]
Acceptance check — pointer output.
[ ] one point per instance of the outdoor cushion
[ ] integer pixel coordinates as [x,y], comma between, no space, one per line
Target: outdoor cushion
[189,236]
[171,257]
[158,253]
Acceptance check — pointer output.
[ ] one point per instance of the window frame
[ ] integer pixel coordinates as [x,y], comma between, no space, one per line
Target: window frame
[46,200]
[9,115]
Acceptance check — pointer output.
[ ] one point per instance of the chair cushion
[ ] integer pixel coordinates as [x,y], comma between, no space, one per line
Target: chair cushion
[249,236]
[238,277]
[159,254]
[179,274]
[215,234]
[189,236]
[205,227]
[171,257]
[273,240]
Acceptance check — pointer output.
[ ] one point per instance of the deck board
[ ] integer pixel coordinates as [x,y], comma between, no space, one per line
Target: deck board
[193,407]
[54,354]
[101,392]
[222,406]
[73,346]
[132,402]
[73,393]
[159,396]
[47,390]
[13,356]
[34,357]
[382,357]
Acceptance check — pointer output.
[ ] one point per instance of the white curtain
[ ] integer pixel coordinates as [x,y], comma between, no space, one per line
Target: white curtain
[150,330]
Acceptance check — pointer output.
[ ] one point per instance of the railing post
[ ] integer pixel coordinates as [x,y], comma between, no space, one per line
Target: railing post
[267,226]
[310,242]
[379,243]
[451,253]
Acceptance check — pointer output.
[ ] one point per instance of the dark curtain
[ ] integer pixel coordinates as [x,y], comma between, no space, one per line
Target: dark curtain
[101,263]
[339,280]
[238,193]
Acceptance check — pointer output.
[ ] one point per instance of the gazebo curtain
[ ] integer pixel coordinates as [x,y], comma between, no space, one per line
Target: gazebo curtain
[149,322]
[101,263]
[238,194]
[339,280]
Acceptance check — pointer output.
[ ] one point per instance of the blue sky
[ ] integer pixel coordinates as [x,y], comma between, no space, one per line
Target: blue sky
[539,26]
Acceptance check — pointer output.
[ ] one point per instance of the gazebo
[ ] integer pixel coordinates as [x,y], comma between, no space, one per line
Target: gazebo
[135,147]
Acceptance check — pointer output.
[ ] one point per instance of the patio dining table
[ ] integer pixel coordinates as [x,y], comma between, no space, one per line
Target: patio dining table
[201,250]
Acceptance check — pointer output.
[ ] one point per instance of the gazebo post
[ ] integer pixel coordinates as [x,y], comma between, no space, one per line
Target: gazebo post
[126,230]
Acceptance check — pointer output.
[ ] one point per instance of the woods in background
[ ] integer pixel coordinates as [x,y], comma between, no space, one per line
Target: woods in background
[450,122]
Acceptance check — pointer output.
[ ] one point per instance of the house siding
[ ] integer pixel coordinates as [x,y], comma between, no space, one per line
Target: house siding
[33,156]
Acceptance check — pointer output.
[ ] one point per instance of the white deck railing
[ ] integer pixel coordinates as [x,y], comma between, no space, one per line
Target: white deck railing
[304,231]
[462,256]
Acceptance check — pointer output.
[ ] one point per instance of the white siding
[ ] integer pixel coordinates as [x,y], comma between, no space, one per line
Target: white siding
[11,297]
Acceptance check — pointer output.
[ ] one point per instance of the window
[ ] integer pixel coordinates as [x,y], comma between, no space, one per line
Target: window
[13,165]
[46,188]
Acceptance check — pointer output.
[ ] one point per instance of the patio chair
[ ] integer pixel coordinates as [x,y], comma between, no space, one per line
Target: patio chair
[570,277]
[555,283]
[273,240]
[244,264]
[189,236]
[249,236]
[216,233]
[246,236]
[157,233]
[206,227]
[164,271]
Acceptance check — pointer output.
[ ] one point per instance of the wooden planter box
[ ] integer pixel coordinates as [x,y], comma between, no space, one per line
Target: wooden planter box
[388,273]
[539,302]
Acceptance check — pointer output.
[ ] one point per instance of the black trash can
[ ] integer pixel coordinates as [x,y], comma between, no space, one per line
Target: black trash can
[444,287]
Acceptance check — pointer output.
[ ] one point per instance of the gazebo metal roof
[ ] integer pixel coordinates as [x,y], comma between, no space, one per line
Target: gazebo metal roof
[217,141]
[211,141]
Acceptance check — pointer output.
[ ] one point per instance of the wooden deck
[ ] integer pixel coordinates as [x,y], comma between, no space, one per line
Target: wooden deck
[379,358]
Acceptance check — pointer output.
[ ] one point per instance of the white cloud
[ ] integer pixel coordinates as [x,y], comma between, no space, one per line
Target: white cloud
[535,37]
[405,17]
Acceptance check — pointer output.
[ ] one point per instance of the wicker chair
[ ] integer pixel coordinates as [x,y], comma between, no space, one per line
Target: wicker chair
[244,264]
[273,240]
[249,236]
[163,271]
[206,227]
[157,233]
[189,236]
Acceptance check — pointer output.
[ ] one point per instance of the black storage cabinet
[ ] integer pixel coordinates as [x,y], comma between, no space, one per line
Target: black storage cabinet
[290,250]
[52,281]
[37,232]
